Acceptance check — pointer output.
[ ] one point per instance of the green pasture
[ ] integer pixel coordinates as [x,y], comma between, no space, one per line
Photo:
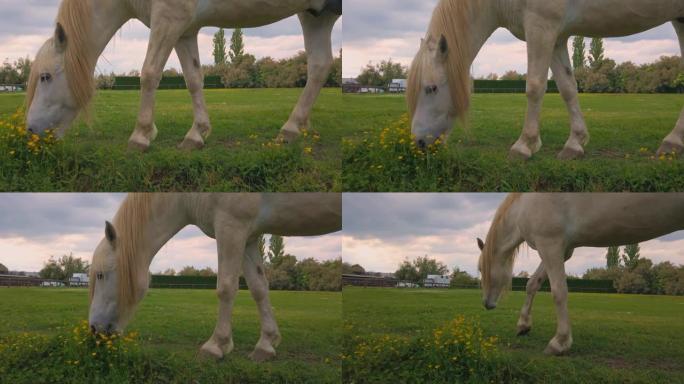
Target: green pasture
[617,338]
[625,130]
[174,323]
[237,155]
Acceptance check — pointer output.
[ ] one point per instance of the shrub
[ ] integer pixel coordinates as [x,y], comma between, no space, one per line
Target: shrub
[455,352]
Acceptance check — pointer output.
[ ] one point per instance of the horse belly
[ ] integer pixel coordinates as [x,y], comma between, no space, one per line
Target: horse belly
[609,219]
[248,13]
[613,18]
[300,214]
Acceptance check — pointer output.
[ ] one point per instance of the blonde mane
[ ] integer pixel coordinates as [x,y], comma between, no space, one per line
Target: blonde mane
[487,257]
[451,19]
[129,223]
[74,16]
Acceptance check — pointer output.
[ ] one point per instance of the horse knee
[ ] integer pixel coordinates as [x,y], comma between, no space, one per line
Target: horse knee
[149,79]
[318,68]
[226,289]
[535,89]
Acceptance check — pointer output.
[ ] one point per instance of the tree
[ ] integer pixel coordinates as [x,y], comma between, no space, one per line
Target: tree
[237,46]
[578,54]
[3,269]
[613,257]
[261,246]
[220,47]
[189,270]
[407,272]
[462,279]
[63,268]
[382,74]
[512,75]
[358,270]
[276,250]
[169,272]
[596,52]
[630,256]
[427,266]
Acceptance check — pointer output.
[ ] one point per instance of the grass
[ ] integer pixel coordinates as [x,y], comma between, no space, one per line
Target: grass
[625,130]
[617,338]
[172,324]
[238,156]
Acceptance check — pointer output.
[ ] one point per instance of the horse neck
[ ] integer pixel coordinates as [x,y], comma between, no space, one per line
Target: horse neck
[107,17]
[167,217]
[508,233]
[484,21]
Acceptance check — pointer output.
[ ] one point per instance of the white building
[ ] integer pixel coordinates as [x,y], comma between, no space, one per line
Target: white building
[397,86]
[437,281]
[79,280]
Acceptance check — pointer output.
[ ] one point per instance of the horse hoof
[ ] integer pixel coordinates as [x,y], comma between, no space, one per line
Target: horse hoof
[668,148]
[190,144]
[554,349]
[137,146]
[523,330]
[260,355]
[211,351]
[570,154]
[287,136]
[515,154]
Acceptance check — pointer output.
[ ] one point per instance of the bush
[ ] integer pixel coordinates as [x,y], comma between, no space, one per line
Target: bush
[457,352]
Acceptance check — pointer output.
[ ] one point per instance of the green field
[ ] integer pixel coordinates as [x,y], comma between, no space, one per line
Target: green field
[95,157]
[617,338]
[625,131]
[173,324]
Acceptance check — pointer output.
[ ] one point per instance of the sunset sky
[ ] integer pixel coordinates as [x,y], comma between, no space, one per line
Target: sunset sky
[26,24]
[381,29]
[34,227]
[381,230]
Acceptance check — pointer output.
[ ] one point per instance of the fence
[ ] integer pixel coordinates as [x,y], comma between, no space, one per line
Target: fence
[190,282]
[167,82]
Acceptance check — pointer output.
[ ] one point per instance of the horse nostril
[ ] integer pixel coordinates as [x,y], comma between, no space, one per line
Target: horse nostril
[421,143]
[92,329]
[30,129]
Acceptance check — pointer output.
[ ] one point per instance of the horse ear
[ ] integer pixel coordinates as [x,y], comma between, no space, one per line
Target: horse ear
[480,244]
[443,46]
[110,232]
[60,38]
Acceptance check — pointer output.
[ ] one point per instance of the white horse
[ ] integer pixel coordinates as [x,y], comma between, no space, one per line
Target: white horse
[439,84]
[61,81]
[555,224]
[145,222]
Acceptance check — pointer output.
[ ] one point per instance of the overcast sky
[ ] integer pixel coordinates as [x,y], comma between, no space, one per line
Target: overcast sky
[35,226]
[26,24]
[380,29]
[381,230]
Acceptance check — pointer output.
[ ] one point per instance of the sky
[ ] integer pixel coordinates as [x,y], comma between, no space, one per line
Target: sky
[381,230]
[381,29]
[34,227]
[26,24]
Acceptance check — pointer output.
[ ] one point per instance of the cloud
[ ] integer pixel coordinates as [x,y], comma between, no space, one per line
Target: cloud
[383,29]
[381,230]
[27,24]
[35,226]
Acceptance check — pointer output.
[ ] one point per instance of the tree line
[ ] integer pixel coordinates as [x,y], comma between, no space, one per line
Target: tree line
[594,72]
[629,271]
[235,67]
[283,270]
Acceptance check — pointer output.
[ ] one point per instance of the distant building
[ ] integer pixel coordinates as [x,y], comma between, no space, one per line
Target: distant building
[437,281]
[79,280]
[397,86]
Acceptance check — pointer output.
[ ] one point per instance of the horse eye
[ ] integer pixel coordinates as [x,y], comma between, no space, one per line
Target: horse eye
[45,77]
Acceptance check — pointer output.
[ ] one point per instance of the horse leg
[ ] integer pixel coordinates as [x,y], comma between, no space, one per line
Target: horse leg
[317,42]
[673,142]
[553,258]
[533,284]
[540,43]
[188,55]
[231,248]
[253,270]
[567,85]
[163,36]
